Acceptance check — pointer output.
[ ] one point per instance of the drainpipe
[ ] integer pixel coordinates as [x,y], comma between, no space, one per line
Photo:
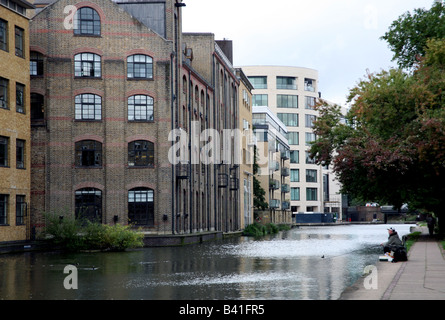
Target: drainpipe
[190,153]
[215,175]
[173,180]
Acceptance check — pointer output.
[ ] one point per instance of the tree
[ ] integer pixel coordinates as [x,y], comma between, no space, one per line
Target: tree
[407,35]
[392,146]
[259,201]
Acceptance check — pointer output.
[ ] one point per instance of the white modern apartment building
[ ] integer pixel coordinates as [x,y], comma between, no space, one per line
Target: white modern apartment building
[291,93]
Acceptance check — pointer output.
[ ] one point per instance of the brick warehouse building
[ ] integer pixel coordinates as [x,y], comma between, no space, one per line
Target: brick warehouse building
[107,89]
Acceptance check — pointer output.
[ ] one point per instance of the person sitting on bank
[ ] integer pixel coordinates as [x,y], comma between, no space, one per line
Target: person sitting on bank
[393,241]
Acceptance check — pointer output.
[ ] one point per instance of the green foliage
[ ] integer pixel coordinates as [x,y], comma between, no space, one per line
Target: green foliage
[259,230]
[392,147]
[259,200]
[407,35]
[75,235]
[412,237]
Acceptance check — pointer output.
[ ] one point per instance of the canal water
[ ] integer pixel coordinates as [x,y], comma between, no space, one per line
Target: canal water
[315,263]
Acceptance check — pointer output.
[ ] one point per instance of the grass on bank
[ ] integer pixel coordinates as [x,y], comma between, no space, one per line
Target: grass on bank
[71,234]
[259,230]
[411,238]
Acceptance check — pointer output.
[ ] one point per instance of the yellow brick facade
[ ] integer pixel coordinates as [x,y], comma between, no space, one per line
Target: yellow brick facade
[14,129]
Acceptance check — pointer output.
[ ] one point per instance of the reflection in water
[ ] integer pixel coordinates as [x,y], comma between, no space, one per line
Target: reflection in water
[305,263]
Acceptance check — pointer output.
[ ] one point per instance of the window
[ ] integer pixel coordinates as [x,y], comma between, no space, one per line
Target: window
[37,108]
[295,156]
[310,119]
[309,160]
[310,137]
[289,119]
[258,82]
[4,209]
[295,175]
[293,138]
[311,194]
[140,108]
[311,175]
[36,64]
[4,150]
[88,204]
[259,100]
[87,22]
[289,83]
[141,153]
[309,85]
[139,66]
[88,107]
[310,103]
[20,210]
[141,207]
[4,84]
[3,35]
[20,97]
[295,194]
[19,42]
[20,153]
[287,101]
[87,65]
[88,153]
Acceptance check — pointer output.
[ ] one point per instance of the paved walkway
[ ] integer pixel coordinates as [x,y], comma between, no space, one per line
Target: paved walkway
[422,277]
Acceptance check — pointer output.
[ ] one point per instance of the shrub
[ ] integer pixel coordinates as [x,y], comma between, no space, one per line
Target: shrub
[258,230]
[74,235]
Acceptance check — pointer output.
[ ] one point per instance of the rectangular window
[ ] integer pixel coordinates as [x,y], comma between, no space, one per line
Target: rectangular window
[20,210]
[259,100]
[20,154]
[258,82]
[309,85]
[310,119]
[309,160]
[310,103]
[295,175]
[287,101]
[289,119]
[4,93]
[293,138]
[310,137]
[295,194]
[3,209]
[20,97]
[4,146]
[311,194]
[3,35]
[295,156]
[19,42]
[311,175]
[288,83]
[36,64]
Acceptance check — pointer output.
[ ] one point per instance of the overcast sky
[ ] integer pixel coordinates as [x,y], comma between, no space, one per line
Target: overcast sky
[339,38]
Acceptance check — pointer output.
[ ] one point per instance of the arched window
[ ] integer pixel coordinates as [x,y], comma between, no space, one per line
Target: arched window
[141,153]
[88,204]
[87,65]
[88,107]
[88,153]
[140,108]
[141,207]
[139,66]
[87,22]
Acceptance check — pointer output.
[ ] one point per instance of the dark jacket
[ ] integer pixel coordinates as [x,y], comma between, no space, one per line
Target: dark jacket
[393,241]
